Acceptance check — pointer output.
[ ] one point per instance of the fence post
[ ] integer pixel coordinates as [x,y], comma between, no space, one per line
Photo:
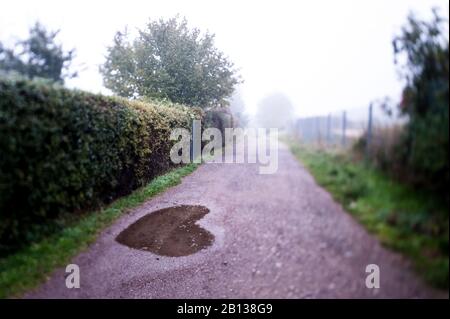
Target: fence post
[329,129]
[318,139]
[344,127]
[369,132]
[301,133]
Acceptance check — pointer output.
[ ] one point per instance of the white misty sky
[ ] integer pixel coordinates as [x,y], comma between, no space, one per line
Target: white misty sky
[324,55]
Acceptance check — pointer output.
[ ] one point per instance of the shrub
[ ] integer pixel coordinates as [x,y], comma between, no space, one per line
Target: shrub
[63,151]
[425,101]
[384,150]
[220,118]
[418,151]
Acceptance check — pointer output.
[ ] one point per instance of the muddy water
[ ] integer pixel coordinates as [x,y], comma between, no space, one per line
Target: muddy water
[170,231]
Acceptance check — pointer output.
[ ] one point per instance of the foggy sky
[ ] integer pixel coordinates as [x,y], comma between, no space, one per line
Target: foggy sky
[324,55]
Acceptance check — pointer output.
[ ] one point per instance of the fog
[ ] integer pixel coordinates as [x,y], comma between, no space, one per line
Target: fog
[323,55]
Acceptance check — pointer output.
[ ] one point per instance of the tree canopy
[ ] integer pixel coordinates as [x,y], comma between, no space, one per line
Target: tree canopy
[38,56]
[170,60]
[275,110]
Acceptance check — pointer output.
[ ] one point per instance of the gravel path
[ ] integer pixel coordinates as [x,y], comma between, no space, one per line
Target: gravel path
[276,236]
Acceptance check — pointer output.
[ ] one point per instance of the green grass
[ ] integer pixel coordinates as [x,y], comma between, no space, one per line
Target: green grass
[413,223]
[30,266]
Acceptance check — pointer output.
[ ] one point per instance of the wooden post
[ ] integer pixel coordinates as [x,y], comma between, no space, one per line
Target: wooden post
[344,128]
[318,139]
[329,129]
[369,132]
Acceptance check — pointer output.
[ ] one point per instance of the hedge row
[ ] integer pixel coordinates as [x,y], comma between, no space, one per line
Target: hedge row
[63,151]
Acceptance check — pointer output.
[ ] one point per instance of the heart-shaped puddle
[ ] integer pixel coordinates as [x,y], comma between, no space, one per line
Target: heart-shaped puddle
[170,231]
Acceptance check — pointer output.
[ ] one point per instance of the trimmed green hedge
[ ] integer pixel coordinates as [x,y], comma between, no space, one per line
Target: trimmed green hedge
[63,151]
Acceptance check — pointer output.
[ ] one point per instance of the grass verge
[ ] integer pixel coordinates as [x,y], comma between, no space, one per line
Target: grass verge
[408,221]
[30,266]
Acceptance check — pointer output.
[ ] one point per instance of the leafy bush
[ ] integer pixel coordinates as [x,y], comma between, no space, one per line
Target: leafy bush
[383,151]
[417,152]
[425,145]
[63,151]
[220,118]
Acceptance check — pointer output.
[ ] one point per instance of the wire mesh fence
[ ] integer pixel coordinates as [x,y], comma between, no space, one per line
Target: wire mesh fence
[342,129]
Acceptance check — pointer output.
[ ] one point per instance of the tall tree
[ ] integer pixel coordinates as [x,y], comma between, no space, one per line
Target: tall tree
[170,60]
[38,56]
[275,110]
[425,48]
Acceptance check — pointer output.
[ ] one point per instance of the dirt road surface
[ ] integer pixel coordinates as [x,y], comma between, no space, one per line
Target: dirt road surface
[275,236]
